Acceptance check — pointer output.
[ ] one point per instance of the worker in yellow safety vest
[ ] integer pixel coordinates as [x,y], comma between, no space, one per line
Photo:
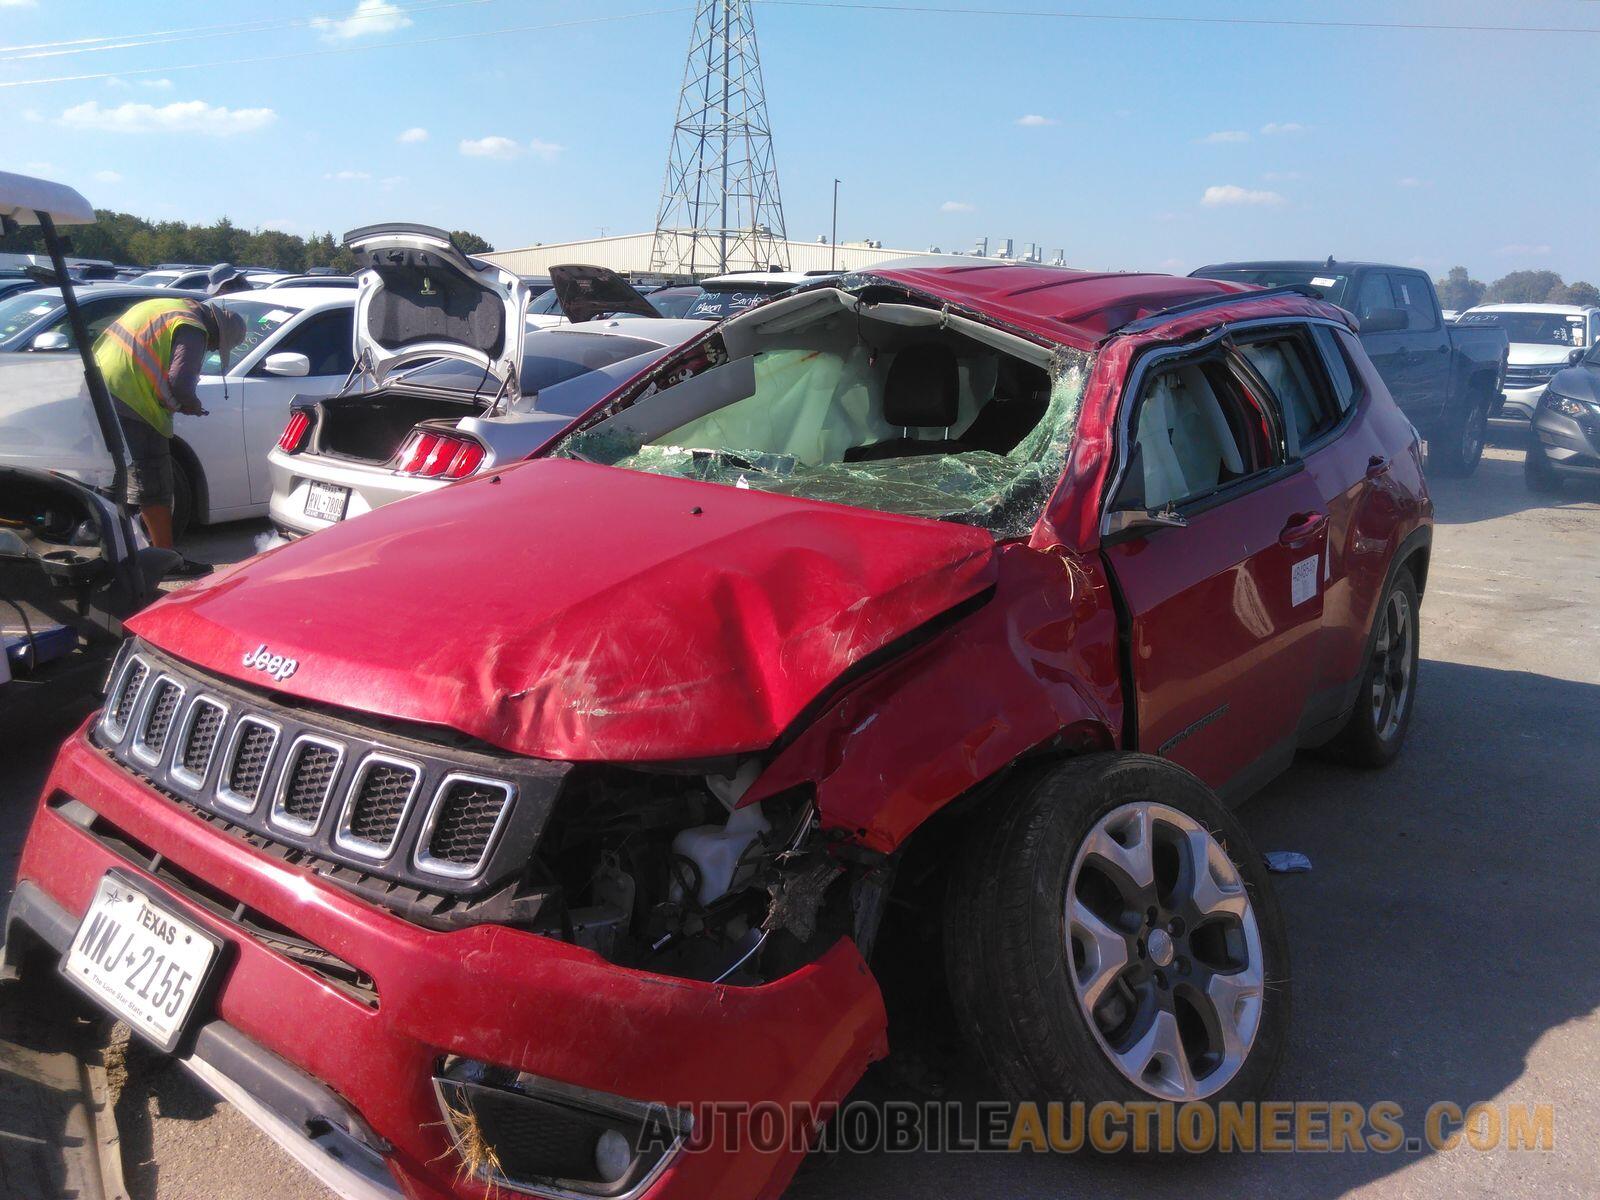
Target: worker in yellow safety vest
[150,359]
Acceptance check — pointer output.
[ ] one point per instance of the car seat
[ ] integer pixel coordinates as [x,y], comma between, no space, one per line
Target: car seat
[922,391]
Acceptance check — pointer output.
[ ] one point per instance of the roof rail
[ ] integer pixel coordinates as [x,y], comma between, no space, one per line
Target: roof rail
[1204,302]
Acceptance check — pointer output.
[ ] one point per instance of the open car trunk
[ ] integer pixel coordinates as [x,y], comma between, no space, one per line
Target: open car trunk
[371,427]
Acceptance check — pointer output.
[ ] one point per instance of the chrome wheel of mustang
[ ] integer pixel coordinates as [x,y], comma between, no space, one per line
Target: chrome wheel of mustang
[1392,659]
[1165,951]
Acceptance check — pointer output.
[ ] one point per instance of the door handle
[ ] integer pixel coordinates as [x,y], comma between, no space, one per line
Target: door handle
[1302,527]
[1377,465]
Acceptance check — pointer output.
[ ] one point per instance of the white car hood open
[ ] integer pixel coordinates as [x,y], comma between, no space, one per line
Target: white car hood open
[419,297]
[47,420]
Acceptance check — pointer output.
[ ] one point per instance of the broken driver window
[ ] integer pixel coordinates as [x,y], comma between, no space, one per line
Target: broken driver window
[880,406]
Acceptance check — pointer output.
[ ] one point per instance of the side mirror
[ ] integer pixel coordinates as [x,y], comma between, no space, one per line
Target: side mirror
[1575,356]
[287,362]
[1383,320]
[12,545]
[54,340]
[1126,523]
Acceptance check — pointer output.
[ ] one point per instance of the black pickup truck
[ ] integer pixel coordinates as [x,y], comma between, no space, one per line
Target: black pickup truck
[1446,378]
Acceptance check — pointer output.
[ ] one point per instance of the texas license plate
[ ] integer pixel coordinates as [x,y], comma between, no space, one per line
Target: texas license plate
[140,960]
[327,501]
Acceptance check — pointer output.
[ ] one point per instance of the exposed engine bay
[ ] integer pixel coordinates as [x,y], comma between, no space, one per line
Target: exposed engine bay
[666,873]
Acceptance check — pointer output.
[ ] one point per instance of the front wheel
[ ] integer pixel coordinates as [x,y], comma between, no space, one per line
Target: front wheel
[1537,472]
[1461,441]
[1113,936]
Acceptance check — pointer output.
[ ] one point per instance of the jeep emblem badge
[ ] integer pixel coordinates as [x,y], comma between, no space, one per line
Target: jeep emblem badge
[276,665]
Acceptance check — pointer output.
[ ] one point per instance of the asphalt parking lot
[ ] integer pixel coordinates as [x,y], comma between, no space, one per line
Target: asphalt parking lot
[1443,944]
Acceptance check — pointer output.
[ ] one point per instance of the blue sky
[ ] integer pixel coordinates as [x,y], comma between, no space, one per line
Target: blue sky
[1151,146]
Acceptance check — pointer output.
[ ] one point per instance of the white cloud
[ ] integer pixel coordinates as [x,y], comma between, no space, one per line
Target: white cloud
[183,116]
[41,168]
[347,176]
[16,3]
[156,85]
[389,182]
[1224,135]
[1172,264]
[1411,181]
[107,177]
[1035,121]
[1220,195]
[957,206]
[415,134]
[545,150]
[1278,128]
[492,146]
[1522,250]
[370,17]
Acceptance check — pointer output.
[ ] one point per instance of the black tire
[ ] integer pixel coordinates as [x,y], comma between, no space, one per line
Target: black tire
[1537,472]
[1461,437]
[1014,967]
[182,499]
[1370,738]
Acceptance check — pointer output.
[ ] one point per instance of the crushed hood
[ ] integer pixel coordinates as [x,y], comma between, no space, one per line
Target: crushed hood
[420,297]
[567,610]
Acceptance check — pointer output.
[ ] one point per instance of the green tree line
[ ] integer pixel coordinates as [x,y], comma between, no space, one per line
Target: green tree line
[1458,290]
[125,238]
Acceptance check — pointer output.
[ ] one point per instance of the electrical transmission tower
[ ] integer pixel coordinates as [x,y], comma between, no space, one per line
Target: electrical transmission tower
[720,209]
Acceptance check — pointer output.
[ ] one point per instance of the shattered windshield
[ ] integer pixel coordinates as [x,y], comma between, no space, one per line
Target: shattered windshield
[921,421]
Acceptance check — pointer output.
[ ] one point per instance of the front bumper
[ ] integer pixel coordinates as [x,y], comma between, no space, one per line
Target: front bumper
[1520,403]
[486,993]
[1570,445]
[370,488]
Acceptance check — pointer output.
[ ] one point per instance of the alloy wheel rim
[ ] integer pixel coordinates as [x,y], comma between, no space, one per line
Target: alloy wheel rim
[1391,660]
[1164,951]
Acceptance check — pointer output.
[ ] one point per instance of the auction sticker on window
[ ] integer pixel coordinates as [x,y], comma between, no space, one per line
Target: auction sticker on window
[140,960]
[1303,581]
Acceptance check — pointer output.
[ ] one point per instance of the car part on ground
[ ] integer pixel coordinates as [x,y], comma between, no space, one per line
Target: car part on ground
[850,582]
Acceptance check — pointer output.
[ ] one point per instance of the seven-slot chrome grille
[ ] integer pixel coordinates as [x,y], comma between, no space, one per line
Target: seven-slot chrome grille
[439,819]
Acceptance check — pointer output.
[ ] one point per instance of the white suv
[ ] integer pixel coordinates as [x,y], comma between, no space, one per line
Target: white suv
[1545,338]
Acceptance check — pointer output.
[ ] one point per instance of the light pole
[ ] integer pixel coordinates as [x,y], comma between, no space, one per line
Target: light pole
[833,232]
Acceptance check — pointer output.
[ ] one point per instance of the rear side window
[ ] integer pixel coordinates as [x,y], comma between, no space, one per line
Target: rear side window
[1294,375]
[1337,365]
[1195,430]
[1411,291]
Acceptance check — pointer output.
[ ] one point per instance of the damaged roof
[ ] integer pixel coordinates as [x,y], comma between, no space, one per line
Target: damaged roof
[1078,308]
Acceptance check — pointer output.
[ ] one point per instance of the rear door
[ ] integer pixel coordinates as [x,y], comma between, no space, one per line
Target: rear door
[1405,351]
[1224,606]
[1309,369]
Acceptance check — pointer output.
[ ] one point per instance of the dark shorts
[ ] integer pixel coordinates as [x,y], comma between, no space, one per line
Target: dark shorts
[149,459]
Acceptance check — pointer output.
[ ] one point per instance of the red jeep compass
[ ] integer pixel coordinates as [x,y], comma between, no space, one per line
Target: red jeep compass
[482,841]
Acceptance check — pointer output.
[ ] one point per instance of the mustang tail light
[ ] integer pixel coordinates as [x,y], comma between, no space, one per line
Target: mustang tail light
[293,438]
[436,455]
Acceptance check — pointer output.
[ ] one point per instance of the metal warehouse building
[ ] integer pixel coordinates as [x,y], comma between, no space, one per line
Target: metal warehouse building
[629,253]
